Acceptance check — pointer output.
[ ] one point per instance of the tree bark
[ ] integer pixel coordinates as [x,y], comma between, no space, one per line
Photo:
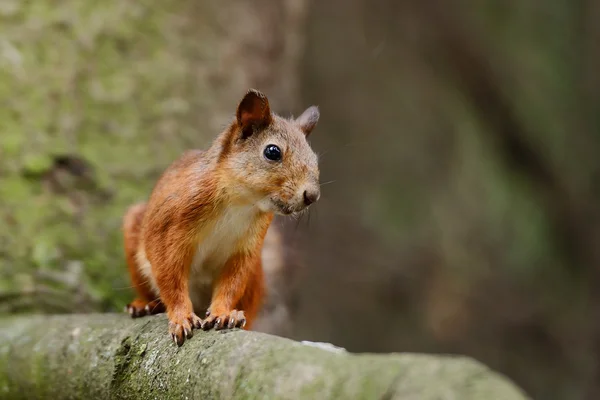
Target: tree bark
[102,356]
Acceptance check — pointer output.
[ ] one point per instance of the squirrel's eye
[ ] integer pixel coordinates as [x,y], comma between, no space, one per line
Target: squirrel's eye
[272,153]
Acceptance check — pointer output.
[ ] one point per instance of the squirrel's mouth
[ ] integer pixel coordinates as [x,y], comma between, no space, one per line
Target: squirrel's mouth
[284,208]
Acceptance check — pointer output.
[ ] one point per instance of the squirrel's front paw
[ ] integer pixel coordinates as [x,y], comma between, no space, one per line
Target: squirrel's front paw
[233,319]
[181,328]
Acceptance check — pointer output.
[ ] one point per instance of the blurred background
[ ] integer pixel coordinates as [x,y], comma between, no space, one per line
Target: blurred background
[459,149]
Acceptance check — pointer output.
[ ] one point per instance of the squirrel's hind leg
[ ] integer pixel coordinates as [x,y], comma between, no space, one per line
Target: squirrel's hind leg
[140,307]
[147,302]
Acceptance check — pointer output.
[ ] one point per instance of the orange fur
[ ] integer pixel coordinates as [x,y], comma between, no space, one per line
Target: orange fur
[252,299]
[201,233]
[241,285]
[131,233]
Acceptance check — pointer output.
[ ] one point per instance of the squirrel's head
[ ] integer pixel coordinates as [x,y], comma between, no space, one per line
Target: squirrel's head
[267,158]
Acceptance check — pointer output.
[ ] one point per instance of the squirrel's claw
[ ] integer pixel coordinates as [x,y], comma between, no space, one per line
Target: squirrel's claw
[139,308]
[235,319]
[181,330]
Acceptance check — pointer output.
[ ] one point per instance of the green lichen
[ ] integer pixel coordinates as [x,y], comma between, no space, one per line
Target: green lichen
[112,356]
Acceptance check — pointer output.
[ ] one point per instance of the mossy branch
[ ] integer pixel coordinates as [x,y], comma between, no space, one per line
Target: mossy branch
[107,356]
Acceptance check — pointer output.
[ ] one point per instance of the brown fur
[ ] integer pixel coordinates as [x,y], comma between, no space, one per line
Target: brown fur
[201,233]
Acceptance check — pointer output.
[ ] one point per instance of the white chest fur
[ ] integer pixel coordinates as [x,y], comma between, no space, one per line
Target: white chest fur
[216,244]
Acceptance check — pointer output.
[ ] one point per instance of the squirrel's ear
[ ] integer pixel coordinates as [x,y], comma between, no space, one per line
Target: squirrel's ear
[253,112]
[308,120]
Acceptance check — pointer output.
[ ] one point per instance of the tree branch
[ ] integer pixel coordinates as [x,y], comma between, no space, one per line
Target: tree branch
[104,356]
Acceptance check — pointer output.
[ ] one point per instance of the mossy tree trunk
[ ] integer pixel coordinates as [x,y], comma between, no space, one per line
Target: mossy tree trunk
[98,98]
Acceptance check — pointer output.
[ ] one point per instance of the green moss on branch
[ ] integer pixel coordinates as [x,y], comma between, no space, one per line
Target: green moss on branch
[104,356]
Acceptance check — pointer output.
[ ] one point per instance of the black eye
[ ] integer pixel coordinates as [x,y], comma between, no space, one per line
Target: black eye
[272,153]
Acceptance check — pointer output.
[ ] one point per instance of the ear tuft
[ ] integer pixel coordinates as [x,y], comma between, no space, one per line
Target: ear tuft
[308,120]
[253,112]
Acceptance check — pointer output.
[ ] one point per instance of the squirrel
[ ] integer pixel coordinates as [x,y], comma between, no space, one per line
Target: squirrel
[196,243]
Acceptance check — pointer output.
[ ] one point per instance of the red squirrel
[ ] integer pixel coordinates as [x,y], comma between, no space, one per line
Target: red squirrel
[196,243]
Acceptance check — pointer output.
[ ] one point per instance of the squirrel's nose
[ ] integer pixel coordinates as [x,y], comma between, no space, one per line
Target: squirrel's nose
[310,196]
